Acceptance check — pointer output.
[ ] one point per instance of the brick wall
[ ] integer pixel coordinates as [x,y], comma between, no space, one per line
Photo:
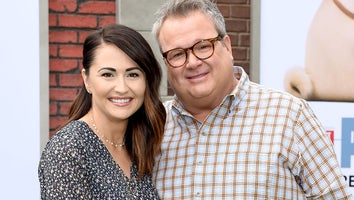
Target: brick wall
[237,19]
[70,21]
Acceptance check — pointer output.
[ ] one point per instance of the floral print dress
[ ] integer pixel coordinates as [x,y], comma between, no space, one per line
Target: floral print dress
[75,164]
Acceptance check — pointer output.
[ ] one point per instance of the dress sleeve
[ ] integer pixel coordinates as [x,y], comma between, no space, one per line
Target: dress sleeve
[321,175]
[62,173]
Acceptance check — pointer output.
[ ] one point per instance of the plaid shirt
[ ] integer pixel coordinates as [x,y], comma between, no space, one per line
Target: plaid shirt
[258,143]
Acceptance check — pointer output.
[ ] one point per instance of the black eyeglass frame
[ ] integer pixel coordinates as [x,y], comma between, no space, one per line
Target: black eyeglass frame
[185,50]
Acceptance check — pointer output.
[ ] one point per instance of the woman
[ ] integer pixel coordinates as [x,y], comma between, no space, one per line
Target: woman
[106,149]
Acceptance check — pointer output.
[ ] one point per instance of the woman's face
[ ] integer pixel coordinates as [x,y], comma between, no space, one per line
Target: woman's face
[116,82]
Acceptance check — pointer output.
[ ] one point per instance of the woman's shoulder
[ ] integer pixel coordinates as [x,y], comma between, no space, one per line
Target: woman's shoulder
[73,130]
[73,135]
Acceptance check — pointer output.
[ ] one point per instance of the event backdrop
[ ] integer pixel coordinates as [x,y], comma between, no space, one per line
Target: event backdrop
[19,99]
[298,54]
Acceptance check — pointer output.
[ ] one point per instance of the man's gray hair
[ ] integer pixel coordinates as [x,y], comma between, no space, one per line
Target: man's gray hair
[183,8]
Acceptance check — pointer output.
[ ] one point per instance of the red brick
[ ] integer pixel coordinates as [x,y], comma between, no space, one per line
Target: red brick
[78,21]
[106,20]
[53,108]
[71,80]
[62,5]
[70,21]
[240,11]
[52,80]
[62,65]
[62,94]
[245,40]
[53,19]
[225,10]
[64,108]
[234,38]
[55,122]
[63,36]
[239,53]
[98,7]
[83,35]
[236,25]
[53,50]
[70,51]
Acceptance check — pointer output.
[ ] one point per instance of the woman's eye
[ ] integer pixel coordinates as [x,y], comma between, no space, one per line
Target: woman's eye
[133,75]
[107,75]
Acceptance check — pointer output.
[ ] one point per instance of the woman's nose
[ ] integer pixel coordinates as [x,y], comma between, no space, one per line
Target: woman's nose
[121,85]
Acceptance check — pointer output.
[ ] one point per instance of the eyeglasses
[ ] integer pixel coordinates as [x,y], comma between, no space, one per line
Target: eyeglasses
[203,49]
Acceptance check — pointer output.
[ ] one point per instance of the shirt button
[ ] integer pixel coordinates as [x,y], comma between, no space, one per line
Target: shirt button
[204,133]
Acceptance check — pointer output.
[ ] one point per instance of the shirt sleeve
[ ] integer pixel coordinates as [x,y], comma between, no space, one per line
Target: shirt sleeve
[321,175]
[62,174]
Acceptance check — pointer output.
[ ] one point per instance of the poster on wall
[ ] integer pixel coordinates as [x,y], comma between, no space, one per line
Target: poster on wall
[307,49]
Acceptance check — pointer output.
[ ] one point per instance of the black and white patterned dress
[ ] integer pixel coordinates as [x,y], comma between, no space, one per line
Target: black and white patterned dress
[76,165]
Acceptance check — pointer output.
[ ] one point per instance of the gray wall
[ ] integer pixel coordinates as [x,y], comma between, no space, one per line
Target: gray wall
[139,14]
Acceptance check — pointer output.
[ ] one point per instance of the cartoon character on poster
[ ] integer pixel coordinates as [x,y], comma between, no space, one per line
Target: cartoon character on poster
[328,74]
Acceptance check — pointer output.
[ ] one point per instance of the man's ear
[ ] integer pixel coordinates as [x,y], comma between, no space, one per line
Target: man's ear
[227,43]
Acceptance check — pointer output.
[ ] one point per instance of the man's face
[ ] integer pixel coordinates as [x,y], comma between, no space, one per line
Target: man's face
[197,79]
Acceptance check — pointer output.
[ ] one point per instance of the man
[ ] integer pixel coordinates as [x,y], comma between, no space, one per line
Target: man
[227,137]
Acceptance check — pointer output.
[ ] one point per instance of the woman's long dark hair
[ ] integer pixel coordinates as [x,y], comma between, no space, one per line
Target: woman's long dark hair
[144,133]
